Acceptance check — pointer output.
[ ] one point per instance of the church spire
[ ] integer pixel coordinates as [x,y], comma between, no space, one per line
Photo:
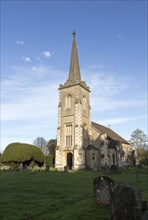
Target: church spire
[74,70]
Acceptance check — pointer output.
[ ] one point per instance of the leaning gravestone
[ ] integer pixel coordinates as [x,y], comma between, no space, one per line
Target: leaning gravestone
[102,189]
[126,203]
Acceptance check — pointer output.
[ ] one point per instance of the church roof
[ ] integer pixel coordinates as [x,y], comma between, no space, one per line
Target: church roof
[110,133]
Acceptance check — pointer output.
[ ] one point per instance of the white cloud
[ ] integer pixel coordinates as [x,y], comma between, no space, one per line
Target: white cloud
[102,104]
[20,42]
[33,104]
[108,92]
[30,100]
[26,59]
[40,69]
[32,89]
[28,107]
[46,54]
[38,85]
[121,120]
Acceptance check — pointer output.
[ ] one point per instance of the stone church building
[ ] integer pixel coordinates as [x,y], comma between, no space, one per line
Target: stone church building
[82,143]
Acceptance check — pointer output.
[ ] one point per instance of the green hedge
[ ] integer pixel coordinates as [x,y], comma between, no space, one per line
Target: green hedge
[22,153]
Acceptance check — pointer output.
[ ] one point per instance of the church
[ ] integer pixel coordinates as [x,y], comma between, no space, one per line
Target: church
[82,143]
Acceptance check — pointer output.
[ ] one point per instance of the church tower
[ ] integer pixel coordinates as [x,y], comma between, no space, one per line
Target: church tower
[73,132]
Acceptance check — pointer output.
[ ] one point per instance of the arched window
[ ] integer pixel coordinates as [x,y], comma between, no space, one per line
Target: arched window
[68,101]
[68,132]
[93,155]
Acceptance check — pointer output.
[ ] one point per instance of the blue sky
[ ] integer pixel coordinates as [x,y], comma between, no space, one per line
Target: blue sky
[36,40]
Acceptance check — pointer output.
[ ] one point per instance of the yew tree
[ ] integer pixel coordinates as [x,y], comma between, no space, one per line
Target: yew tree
[18,153]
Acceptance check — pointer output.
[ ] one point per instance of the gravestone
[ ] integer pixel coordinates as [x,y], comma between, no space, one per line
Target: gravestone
[107,170]
[25,168]
[94,167]
[126,203]
[113,169]
[137,173]
[66,169]
[47,168]
[102,189]
[125,167]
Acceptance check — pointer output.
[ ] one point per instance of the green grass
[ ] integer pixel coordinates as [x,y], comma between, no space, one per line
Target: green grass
[57,195]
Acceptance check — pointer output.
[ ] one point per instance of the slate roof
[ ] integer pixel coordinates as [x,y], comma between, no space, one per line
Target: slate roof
[110,133]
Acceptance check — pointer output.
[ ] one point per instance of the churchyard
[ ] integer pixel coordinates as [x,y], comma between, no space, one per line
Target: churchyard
[35,195]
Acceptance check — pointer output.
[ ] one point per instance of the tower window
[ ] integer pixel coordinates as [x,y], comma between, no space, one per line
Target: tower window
[84,102]
[68,101]
[93,156]
[68,135]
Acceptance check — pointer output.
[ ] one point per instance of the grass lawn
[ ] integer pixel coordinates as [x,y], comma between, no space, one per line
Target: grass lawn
[58,195]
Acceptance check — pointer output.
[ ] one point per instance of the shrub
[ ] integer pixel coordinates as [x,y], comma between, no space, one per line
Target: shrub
[49,160]
[22,153]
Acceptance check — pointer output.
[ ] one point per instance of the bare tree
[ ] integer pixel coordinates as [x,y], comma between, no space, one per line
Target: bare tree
[140,142]
[139,139]
[40,142]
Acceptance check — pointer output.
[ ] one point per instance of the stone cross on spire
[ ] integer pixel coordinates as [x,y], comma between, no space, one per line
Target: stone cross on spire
[74,70]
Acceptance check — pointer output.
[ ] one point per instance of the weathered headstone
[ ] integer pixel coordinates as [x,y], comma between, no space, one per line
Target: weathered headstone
[47,168]
[25,168]
[125,167]
[137,173]
[94,167]
[126,203]
[66,169]
[113,169]
[107,170]
[102,189]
